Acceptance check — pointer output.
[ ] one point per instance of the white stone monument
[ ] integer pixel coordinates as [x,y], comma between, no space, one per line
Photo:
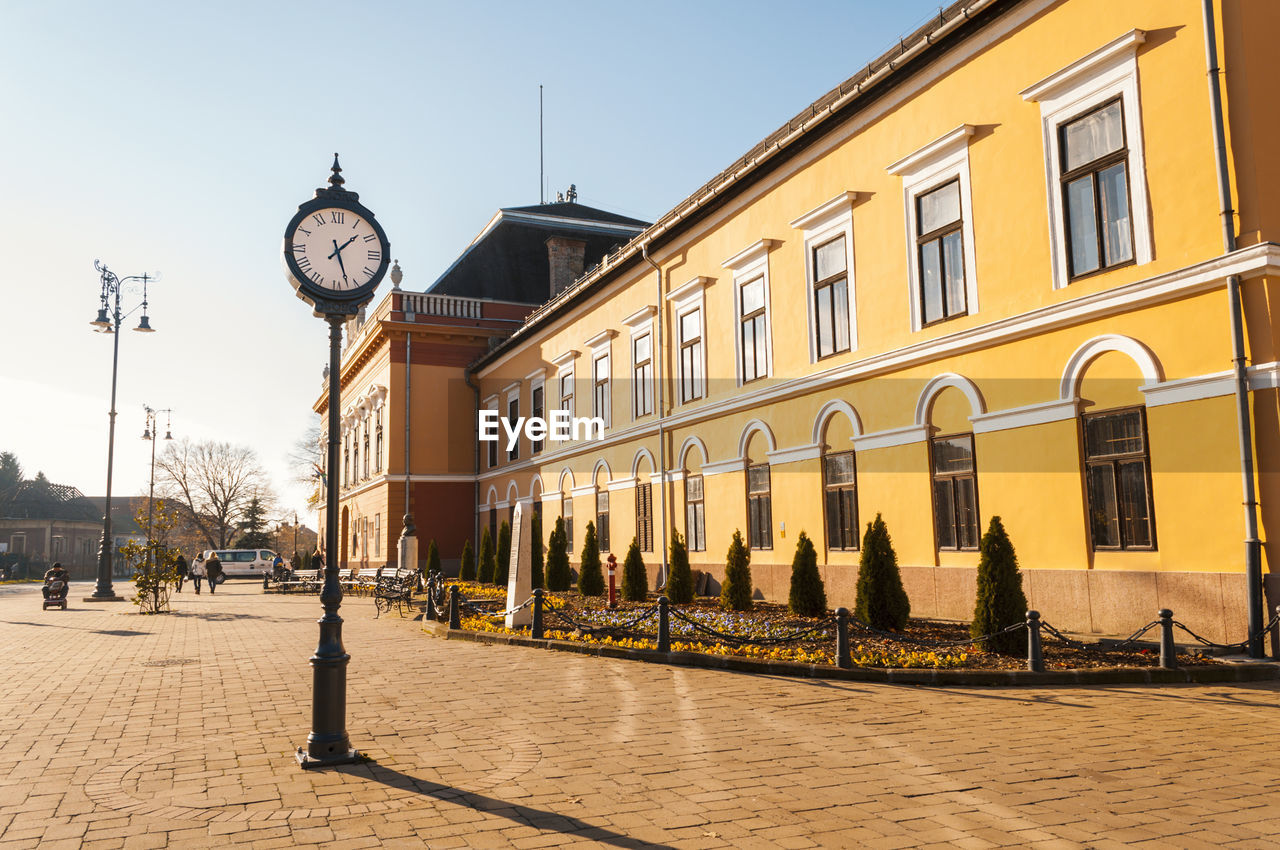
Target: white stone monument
[519,580]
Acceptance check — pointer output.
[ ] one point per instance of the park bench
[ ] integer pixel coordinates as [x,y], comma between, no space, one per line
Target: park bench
[395,587]
[304,580]
[366,580]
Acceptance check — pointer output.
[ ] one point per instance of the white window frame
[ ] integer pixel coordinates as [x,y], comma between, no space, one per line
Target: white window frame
[491,403]
[511,393]
[747,265]
[641,324]
[819,226]
[601,346]
[941,161]
[1108,72]
[565,369]
[683,300]
[537,380]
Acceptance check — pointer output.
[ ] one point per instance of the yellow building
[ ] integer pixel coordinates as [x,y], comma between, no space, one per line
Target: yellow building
[988,275]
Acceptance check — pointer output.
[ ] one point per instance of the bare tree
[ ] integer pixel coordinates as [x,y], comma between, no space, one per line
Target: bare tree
[214,483]
[306,460]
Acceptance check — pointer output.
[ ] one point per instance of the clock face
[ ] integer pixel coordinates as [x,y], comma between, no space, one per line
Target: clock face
[336,249]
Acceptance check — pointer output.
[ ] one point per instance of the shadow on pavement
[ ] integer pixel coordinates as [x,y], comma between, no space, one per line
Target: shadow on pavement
[116,632]
[523,815]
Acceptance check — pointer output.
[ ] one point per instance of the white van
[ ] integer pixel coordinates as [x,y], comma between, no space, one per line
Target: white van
[243,562]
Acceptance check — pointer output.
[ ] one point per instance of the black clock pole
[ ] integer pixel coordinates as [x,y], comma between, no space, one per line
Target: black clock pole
[328,743]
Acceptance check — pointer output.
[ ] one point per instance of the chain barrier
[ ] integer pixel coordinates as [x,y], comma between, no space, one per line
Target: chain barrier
[465,604]
[1242,645]
[1128,642]
[737,640]
[936,644]
[585,628]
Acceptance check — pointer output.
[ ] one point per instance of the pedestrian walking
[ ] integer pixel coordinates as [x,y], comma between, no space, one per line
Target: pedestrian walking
[181,565]
[317,560]
[198,572]
[214,567]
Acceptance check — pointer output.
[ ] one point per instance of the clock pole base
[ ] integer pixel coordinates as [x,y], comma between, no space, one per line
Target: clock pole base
[310,762]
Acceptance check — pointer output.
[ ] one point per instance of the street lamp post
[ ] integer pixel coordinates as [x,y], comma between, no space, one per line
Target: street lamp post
[108,322]
[152,433]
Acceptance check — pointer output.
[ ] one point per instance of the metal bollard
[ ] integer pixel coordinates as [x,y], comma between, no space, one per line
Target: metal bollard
[536,628]
[664,624]
[455,620]
[431,614]
[843,659]
[1035,658]
[1275,639]
[1168,652]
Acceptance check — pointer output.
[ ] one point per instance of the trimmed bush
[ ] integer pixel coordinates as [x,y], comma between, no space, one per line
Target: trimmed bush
[882,601]
[1000,600]
[535,557]
[590,575]
[680,581]
[502,564]
[558,575]
[468,570]
[488,563]
[735,593]
[808,596]
[635,578]
[433,558]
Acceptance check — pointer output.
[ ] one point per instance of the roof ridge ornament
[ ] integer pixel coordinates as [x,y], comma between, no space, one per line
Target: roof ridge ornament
[335,190]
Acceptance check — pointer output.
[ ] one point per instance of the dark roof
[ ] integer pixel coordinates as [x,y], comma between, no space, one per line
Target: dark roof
[508,260]
[44,500]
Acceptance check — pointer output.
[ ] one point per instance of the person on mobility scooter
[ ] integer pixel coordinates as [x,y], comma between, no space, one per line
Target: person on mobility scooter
[56,582]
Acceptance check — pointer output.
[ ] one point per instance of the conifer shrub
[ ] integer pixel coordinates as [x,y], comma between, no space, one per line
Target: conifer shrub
[635,578]
[536,578]
[433,558]
[882,601]
[735,593]
[808,597]
[590,574]
[502,564]
[467,572]
[488,563]
[680,580]
[558,574]
[1000,600]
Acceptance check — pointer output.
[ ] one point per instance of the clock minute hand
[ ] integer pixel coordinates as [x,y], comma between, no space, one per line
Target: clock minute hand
[337,249]
[337,252]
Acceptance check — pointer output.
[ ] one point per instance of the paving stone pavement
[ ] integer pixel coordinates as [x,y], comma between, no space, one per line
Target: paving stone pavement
[123,730]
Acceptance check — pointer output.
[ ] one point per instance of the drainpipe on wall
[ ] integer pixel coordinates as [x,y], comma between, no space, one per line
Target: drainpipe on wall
[475,499]
[659,352]
[1244,419]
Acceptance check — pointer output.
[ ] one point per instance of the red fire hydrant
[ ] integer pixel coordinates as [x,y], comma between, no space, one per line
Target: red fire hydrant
[613,589]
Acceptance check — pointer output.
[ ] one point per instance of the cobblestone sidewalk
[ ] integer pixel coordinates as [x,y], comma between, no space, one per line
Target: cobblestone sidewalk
[120,730]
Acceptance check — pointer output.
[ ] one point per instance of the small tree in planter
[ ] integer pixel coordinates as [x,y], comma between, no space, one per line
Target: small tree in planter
[535,557]
[735,594]
[502,564]
[487,565]
[558,558]
[635,578]
[882,601]
[156,565]
[1000,600]
[467,572]
[808,596]
[590,575]
[680,580]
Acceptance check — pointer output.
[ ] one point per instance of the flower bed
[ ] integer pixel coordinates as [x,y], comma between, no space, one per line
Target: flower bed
[634,625]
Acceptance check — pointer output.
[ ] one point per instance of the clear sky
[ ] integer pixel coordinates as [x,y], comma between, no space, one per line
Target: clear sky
[181,137]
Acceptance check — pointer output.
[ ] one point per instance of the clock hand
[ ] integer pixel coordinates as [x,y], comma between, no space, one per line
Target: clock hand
[337,252]
[338,248]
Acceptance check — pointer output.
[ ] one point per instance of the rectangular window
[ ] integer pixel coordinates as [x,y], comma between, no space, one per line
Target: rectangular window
[493,447]
[695,530]
[831,297]
[644,517]
[600,388]
[955,492]
[753,335]
[602,520]
[759,507]
[377,535]
[1095,190]
[355,456]
[536,411]
[691,385]
[493,527]
[840,494]
[377,465]
[940,252]
[513,416]
[642,389]
[566,511]
[1117,477]
[366,448]
[566,392]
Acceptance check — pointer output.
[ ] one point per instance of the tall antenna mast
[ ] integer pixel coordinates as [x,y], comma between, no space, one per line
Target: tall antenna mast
[542,198]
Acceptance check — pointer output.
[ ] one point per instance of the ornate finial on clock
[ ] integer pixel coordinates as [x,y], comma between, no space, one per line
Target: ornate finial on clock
[336,180]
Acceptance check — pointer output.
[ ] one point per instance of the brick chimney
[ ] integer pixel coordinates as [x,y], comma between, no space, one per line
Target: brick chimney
[567,257]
